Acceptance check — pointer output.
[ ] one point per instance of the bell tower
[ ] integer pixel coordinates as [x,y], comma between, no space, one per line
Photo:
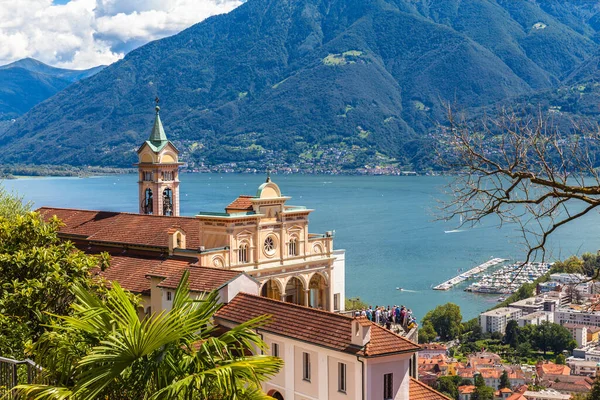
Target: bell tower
[158,173]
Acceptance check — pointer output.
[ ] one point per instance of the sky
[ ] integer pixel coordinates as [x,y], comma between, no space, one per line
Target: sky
[81,34]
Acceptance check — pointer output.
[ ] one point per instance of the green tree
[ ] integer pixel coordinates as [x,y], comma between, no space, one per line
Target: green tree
[355,303]
[104,350]
[483,393]
[448,385]
[427,333]
[594,394]
[37,272]
[478,380]
[511,334]
[504,381]
[571,265]
[446,320]
[549,336]
[560,359]
[591,262]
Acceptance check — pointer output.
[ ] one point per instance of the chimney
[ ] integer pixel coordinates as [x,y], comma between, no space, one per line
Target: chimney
[361,331]
[176,239]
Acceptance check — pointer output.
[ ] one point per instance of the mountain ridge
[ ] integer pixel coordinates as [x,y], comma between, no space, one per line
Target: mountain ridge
[27,82]
[292,78]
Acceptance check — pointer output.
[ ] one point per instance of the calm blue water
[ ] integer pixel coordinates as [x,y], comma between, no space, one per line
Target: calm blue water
[384,223]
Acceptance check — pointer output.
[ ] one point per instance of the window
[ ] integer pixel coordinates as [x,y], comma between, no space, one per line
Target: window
[342,377]
[243,253]
[292,247]
[269,245]
[148,202]
[388,386]
[306,366]
[168,176]
[275,350]
[169,296]
[147,175]
[336,302]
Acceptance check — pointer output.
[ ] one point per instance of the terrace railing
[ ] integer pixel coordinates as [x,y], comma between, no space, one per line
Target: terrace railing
[15,372]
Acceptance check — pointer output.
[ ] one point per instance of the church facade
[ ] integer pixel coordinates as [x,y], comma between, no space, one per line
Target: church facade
[261,259]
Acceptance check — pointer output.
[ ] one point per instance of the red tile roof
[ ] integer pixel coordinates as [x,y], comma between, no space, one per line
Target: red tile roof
[201,279]
[131,268]
[126,228]
[311,325]
[548,368]
[384,341]
[242,203]
[420,391]
[466,389]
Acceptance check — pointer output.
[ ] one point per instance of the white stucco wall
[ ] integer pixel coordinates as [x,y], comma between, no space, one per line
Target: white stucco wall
[377,367]
[242,283]
[324,371]
[339,276]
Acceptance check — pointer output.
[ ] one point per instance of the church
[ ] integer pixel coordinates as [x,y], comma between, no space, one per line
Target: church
[261,258]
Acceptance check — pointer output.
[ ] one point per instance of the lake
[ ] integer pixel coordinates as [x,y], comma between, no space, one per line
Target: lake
[385,223]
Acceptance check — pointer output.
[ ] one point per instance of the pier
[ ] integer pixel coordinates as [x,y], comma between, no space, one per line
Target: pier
[467,274]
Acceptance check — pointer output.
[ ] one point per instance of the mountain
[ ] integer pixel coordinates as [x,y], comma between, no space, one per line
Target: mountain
[299,78]
[28,82]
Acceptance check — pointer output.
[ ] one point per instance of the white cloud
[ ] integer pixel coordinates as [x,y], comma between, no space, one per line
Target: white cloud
[86,33]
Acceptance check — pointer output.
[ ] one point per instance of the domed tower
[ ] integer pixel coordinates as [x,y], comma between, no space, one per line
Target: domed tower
[158,170]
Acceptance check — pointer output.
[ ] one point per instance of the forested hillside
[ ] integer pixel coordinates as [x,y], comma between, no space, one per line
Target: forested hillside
[299,78]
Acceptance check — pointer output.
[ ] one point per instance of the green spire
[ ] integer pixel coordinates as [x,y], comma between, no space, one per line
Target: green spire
[158,132]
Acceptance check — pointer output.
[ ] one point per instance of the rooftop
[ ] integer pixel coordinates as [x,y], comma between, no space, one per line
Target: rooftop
[420,391]
[201,279]
[131,268]
[501,311]
[123,228]
[243,202]
[311,325]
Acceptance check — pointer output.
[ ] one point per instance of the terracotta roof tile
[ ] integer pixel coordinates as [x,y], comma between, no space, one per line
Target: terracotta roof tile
[130,269]
[384,341]
[242,203]
[116,227]
[201,279]
[311,325]
[420,391]
[466,389]
[553,369]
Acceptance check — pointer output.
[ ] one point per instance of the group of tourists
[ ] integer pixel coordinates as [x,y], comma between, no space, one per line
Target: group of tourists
[398,315]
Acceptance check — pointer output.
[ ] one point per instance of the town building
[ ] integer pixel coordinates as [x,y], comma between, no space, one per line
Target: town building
[583,367]
[433,350]
[496,320]
[579,333]
[536,318]
[564,316]
[546,394]
[261,259]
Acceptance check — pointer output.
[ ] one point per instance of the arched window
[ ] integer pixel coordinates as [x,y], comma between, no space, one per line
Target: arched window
[243,253]
[179,240]
[293,247]
[168,202]
[148,200]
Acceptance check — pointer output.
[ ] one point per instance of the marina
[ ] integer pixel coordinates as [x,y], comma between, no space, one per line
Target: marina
[468,274]
[510,278]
